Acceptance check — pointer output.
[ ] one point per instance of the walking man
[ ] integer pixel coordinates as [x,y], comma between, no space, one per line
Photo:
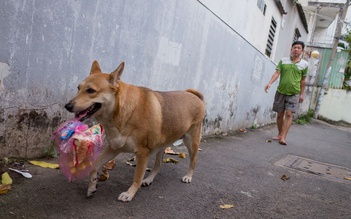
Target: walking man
[292,71]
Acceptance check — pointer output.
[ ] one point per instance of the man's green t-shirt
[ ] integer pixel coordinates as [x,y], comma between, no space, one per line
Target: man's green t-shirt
[291,75]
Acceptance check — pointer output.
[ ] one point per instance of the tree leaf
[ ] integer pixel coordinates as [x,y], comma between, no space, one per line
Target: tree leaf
[44,164]
[4,188]
[226,206]
[6,179]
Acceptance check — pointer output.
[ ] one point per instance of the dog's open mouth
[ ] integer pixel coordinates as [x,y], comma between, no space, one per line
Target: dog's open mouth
[83,115]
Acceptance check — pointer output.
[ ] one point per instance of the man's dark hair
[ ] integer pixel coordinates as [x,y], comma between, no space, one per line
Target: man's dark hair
[299,42]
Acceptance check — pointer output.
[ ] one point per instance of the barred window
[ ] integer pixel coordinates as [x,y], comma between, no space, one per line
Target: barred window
[271,35]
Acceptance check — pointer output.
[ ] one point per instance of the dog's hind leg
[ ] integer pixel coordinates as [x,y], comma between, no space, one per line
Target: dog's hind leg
[158,163]
[192,142]
[142,159]
[103,158]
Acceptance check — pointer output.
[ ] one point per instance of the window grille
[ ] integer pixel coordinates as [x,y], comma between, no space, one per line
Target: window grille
[271,35]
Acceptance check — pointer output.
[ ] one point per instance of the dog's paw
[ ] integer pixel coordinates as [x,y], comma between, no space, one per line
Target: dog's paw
[186,179]
[91,192]
[125,197]
[146,182]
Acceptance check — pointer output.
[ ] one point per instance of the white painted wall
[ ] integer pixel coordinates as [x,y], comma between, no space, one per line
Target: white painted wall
[247,19]
[336,105]
[290,22]
[322,36]
[328,1]
[47,49]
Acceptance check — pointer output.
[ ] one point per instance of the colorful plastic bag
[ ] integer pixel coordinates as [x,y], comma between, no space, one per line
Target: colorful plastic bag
[78,147]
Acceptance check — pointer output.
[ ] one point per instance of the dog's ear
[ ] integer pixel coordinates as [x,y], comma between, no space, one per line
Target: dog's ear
[95,68]
[115,76]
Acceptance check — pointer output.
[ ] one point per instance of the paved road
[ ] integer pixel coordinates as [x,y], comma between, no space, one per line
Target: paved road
[239,169]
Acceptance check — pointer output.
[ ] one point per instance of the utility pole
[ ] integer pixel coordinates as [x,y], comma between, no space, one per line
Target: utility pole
[341,19]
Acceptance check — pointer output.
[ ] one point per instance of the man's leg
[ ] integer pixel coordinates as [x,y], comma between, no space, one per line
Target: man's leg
[279,107]
[286,125]
[291,105]
[280,120]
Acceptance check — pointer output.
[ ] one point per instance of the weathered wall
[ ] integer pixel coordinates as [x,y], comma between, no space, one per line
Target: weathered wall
[47,48]
[336,106]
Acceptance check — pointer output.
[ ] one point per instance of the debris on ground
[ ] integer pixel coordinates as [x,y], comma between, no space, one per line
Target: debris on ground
[104,176]
[347,178]
[178,142]
[170,151]
[132,162]
[226,206]
[284,177]
[45,164]
[24,173]
[170,160]
[182,155]
[243,130]
[4,188]
[5,161]
[6,183]
[110,165]
[269,141]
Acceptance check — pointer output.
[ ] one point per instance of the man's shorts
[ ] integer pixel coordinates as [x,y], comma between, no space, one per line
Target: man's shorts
[285,102]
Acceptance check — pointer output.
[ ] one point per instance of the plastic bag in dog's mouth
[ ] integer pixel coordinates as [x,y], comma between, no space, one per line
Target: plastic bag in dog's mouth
[80,150]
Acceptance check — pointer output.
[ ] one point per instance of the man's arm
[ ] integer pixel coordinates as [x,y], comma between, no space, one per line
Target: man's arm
[302,86]
[275,76]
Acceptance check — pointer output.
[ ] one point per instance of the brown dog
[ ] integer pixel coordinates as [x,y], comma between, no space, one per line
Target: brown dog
[140,120]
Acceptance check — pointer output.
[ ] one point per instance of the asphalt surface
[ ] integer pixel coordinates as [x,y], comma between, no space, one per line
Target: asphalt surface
[240,169]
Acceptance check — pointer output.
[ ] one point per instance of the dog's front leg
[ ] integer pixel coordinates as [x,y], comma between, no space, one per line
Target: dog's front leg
[155,169]
[103,158]
[142,159]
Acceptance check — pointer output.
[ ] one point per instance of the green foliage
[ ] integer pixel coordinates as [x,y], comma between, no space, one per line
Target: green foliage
[342,45]
[305,118]
[50,151]
[347,38]
[347,86]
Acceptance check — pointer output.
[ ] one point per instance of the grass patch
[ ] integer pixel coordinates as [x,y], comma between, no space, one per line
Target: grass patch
[305,118]
[51,151]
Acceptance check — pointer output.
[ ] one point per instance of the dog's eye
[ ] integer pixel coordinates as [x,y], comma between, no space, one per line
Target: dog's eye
[91,91]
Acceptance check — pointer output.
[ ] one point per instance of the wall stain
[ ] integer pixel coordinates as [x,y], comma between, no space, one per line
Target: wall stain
[27,132]
[212,124]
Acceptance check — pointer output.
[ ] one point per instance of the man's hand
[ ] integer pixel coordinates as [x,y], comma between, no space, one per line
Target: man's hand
[267,87]
[301,99]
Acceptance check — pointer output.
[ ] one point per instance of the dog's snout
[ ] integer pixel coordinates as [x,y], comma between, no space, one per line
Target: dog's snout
[69,107]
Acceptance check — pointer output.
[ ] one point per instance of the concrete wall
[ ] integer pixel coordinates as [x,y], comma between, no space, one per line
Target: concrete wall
[289,22]
[47,48]
[336,106]
[247,19]
[255,28]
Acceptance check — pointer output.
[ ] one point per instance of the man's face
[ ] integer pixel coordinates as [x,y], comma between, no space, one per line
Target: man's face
[296,50]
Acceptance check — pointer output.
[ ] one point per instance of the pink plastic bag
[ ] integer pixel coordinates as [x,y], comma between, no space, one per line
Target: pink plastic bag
[78,147]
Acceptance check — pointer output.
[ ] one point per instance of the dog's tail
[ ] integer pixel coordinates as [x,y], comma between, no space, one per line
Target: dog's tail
[197,93]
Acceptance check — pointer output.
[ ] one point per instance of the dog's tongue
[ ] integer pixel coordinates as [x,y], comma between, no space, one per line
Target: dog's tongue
[81,115]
